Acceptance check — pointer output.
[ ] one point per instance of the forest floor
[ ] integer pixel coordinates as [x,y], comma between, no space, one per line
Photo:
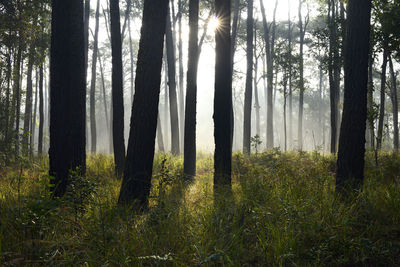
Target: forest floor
[283,212]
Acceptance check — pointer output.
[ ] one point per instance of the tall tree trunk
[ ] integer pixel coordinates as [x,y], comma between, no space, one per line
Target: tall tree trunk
[350,164]
[7,104]
[117,89]
[136,184]
[28,101]
[93,130]
[395,106]
[103,85]
[383,96]
[370,118]
[248,95]
[256,98]
[223,97]
[41,112]
[166,99]
[86,32]
[68,93]
[181,93]
[33,120]
[18,79]
[172,88]
[301,81]
[189,162]
[290,29]
[131,58]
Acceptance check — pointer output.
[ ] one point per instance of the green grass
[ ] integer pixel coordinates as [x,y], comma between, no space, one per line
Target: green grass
[282,212]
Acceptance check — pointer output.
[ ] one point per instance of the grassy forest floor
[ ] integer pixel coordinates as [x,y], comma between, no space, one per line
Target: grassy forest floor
[282,212]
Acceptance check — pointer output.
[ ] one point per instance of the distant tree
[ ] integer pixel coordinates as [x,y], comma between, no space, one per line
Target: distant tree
[136,183]
[117,89]
[248,95]
[189,163]
[68,94]
[93,131]
[350,163]
[223,96]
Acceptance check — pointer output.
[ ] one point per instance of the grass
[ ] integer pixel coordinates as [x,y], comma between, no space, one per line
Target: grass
[282,212]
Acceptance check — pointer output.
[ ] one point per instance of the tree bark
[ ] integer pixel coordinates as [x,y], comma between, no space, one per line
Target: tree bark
[248,95]
[301,82]
[93,130]
[117,89]
[223,97]
[383,96]
[189,162]
[172,88]
[41,113]
[67,95]
[180,84]
[350,164]
[256,98]
[136,184]
[28,102]
[395,106]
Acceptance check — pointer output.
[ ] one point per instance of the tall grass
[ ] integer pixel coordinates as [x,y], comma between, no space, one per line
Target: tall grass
[282,212]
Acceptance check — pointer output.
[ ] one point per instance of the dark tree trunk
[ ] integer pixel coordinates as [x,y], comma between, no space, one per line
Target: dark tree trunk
[248,95]
[117,90]
[67,95]
[350,164]
[223,97]
[370,118]
[18,80]
[395,106]
[93,130]
[28,102]
[383,96]
[172,88]
[180,57]
[136,184]
[41,113]
[189,163]
[7,104]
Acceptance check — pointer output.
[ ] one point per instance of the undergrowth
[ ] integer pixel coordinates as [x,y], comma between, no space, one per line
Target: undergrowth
[283,212]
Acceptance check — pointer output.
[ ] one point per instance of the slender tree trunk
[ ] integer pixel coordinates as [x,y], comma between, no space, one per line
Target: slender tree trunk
[223,115]
[350,164]
[117,89]
[103,85]
[256,98]
[67,96]
[248,95]
[93,130]
[395,106]
[301,81]
[181,93]
[7,104]
[160,139]
[28,102]
[383,96]
[370,118]
[18,108]
[136,184]
[33,120]
[86,31]
[172,88]
[41,113]
[189,163]
[290,28]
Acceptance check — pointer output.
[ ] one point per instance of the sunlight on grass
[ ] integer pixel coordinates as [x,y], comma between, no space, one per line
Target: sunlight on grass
[283,212]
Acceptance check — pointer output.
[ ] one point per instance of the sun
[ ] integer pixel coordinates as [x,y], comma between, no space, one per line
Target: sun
[214,24]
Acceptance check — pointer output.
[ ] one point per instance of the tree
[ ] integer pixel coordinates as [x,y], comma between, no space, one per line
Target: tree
[223,96]
[189,162]
[394,98]
[93,83]
[169,40]
[41,112]
[350,163]
[67,95]
[136,183]
[249,80]
[117,89]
